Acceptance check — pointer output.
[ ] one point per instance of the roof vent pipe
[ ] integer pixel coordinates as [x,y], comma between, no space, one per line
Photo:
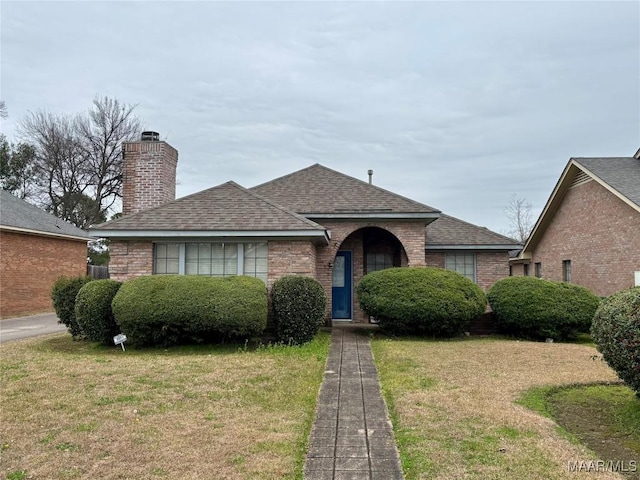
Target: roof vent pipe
[370,172]
[150,136]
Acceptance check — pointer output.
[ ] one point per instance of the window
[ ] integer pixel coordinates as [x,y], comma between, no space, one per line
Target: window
[566,270]
[526,269]
[166,258]
[212,259]
[464,263]
[538,266]
[379,261]
[256,257]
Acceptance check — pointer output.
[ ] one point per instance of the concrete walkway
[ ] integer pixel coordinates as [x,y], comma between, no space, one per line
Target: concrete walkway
[352,438]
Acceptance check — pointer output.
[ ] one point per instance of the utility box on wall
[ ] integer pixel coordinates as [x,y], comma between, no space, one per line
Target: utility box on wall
[637,279]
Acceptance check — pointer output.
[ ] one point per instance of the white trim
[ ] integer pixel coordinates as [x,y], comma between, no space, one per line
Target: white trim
[44,234]
[472,247]
[379,215]
[207,233]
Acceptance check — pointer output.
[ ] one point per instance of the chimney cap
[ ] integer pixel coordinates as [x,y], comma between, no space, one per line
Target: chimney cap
[150,136]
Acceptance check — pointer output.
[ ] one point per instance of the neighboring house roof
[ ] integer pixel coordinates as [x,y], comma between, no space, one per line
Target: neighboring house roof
[20,216]
[619,175]
[226,210]
[452,233]
[319,192]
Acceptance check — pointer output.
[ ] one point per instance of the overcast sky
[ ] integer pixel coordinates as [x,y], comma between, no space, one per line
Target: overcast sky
[457,105]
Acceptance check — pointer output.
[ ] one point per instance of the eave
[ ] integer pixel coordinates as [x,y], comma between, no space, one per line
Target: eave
[320,236]
[373,215]
[40,233]
[555,200]
[501,247]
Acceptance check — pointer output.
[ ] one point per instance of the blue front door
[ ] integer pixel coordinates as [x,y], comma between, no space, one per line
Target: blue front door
[341,286]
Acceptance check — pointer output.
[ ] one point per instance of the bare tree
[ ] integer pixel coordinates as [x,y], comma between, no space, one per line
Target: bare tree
[78,161]
[518,212]
[101,133]
[3,109]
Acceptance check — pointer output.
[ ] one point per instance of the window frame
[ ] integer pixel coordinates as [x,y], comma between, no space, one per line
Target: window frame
[566,271]
[182,258]
[538,269]
[455,254]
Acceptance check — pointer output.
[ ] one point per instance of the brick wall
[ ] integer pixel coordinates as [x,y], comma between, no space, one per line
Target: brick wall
[30,266]
[411,235]
[599,233]
[434,259]
[491,267]
[130,259]
[149,175]
[291,258]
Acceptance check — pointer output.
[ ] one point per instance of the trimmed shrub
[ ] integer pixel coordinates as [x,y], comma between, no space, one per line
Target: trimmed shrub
[63,295]
[93,311]
[616,332]
[299,308]
[171,309]
[533,308]
[421,300]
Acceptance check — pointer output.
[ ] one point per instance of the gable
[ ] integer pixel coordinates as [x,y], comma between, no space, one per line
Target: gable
[225,209]
[320,192]
[619,175]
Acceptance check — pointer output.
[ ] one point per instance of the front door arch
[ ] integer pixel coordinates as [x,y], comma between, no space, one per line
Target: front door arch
[342,286]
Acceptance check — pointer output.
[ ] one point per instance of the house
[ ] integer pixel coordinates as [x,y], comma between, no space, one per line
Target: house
[589,230]
[316,222]
[35,249]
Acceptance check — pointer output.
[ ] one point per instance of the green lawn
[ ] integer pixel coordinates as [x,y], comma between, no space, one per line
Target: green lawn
[453,406]
[77,410]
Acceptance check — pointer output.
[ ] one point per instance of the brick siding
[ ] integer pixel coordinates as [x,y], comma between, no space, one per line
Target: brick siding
[149,175]
[130,259]
[291,258]
[599,233]
[30,266]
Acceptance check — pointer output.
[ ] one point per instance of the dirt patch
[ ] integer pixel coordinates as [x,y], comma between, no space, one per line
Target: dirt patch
[593,421]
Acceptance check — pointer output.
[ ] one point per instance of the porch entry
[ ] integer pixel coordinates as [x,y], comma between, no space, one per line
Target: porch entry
[341,287]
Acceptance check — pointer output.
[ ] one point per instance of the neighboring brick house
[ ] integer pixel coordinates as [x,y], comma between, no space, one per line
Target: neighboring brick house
[35,249]
[589,230]
[316,222]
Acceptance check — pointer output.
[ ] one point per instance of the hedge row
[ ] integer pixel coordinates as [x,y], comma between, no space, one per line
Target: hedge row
[616,332]
[421,301]
[533,308]
[172,309]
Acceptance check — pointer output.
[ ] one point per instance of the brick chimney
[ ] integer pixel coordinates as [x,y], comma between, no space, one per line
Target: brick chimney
[149,173]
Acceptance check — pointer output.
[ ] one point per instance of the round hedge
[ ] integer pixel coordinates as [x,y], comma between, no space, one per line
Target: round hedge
[421,300]
[299,308]
[616,332]
[93,310]
[171,309]
[63,295]
[533,308]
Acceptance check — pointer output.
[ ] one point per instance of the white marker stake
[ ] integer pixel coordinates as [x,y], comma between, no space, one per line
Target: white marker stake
[119,340]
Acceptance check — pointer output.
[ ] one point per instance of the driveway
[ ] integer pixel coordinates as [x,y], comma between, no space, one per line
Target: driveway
[31,326]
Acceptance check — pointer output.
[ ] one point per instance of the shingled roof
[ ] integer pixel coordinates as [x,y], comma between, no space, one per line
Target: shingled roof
[227,208]
[450,232]
[18,215]
[620,173]
[318,191]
